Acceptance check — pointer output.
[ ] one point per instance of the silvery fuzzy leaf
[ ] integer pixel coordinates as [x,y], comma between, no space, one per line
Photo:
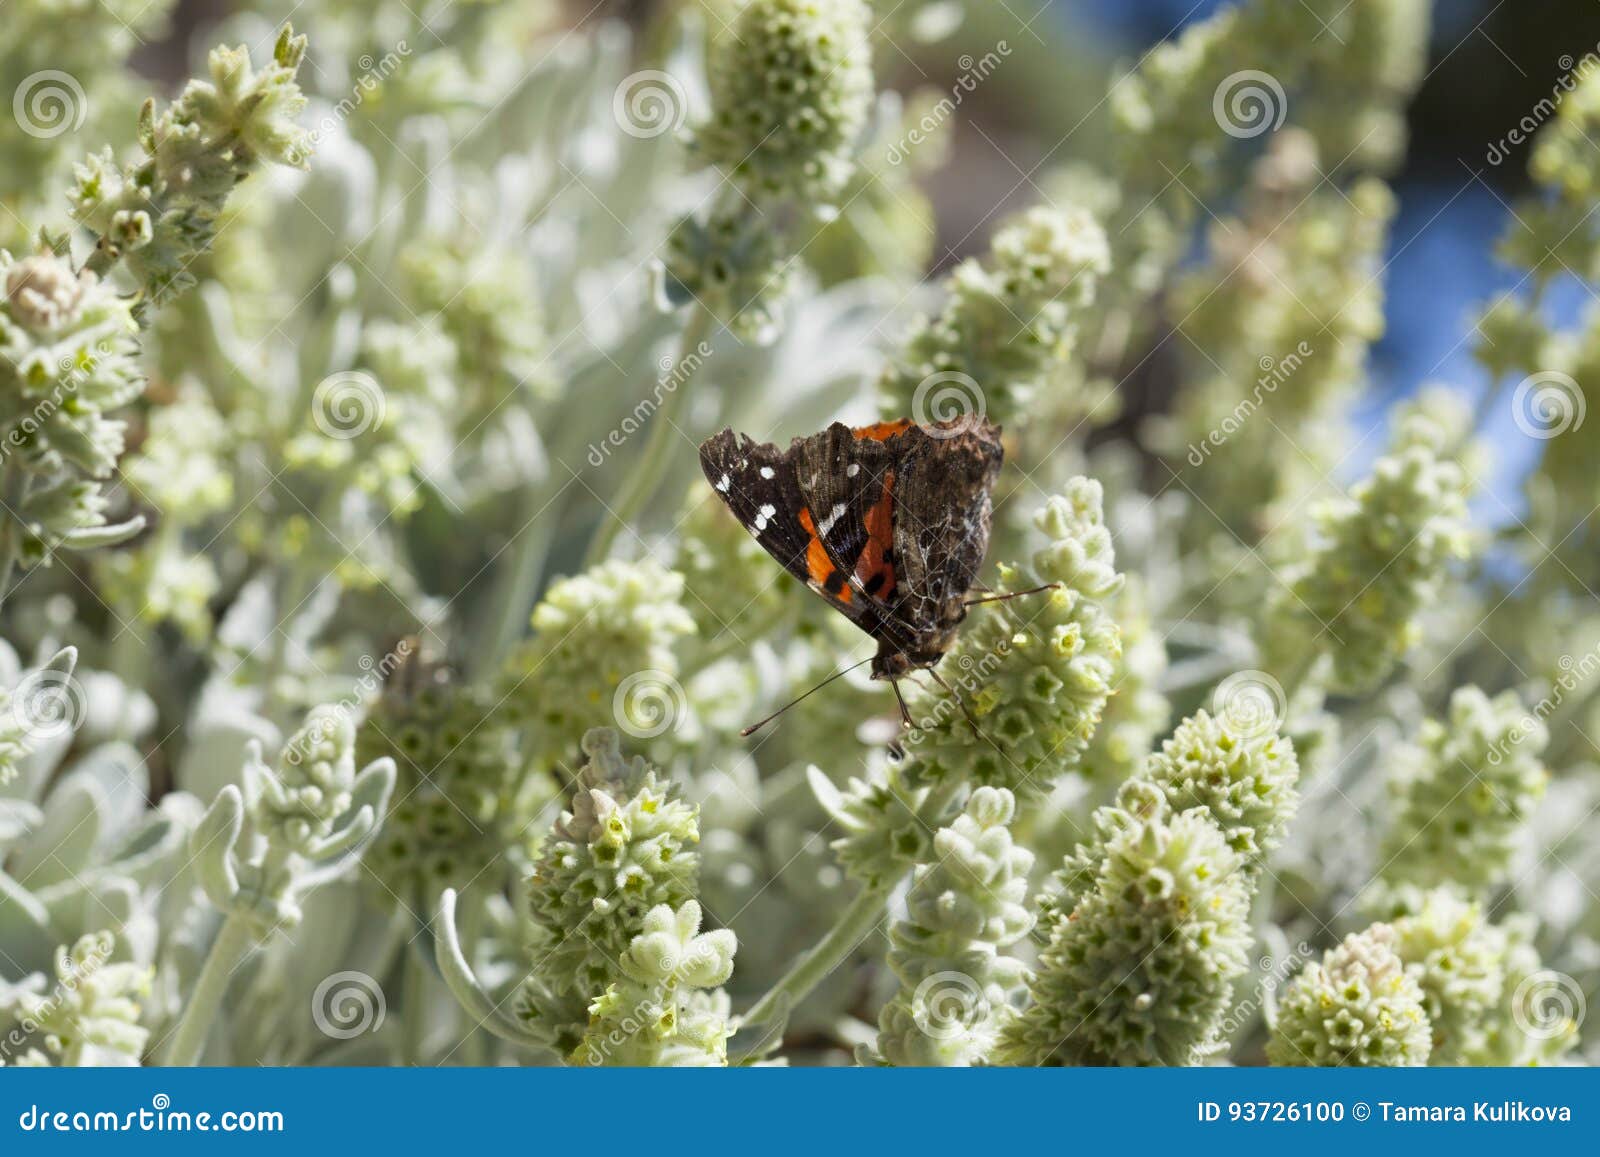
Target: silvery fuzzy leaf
[17,818]
[115,710]
[63,846]
[25,931]
[223,729]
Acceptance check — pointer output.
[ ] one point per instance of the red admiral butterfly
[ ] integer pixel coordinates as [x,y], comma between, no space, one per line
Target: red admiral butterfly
[888,522]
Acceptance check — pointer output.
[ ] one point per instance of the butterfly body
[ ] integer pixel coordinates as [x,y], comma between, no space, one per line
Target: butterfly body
[889,523]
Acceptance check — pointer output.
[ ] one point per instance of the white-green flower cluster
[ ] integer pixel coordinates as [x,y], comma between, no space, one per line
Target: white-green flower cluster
[791,91]
[1463,793]
[1142,950]
[460,804]
[1036,671]
[1481,986]
[294,824]
[90,1013]
[67,361]
[1242,772]
[964,909]
[659,1013]
[1377,559]
[1007,322]
[791,88]
[592,631]
[733,264]
[625,846]
[156,215]
[1357,1006]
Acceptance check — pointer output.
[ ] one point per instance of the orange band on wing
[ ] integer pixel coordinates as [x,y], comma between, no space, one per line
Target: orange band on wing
[824,575]
[875,567]
[882,431]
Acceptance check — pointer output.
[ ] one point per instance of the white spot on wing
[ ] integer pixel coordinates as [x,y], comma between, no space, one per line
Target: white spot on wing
[723,483]
[852,470]
[762,515]
[766,472]
[826,524]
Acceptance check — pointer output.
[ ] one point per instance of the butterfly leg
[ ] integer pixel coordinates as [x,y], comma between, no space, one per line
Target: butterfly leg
[905,712]
[960,702]
[1013,595]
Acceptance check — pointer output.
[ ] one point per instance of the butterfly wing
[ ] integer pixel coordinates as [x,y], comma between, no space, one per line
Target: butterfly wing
[943,510]
[760,483]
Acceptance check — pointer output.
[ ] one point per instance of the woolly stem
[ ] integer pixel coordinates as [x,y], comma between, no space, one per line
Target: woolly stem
[652,463]
[233,943]
[852,927]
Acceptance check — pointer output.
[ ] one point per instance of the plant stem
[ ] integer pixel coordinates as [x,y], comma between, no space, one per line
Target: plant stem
[852,927]
[652,463]
[233,943]
[414,1010]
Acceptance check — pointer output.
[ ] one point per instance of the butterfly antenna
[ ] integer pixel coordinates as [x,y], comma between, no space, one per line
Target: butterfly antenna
[755,727]
[1012,595]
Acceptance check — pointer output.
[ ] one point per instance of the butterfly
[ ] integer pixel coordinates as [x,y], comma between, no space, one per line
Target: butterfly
[889,523]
